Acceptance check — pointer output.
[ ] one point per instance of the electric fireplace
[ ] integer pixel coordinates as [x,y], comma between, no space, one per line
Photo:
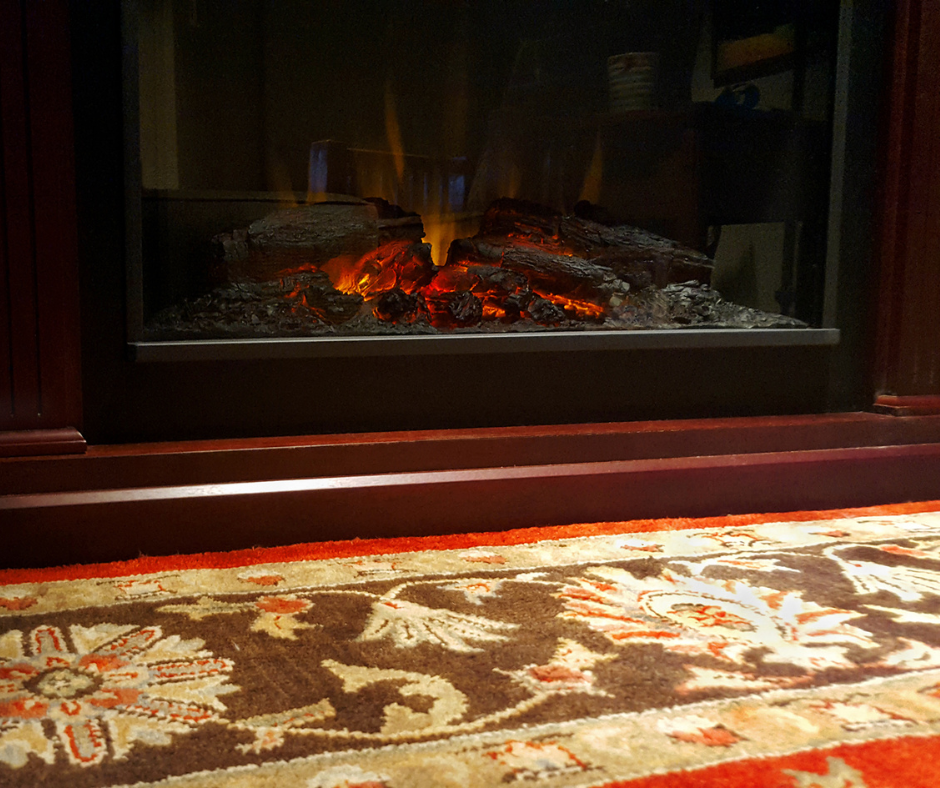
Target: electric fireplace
[347,216]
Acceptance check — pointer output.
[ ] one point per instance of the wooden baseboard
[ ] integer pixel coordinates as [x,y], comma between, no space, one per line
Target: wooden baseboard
[58,528]
[304,457]
[33,443]
[923,405]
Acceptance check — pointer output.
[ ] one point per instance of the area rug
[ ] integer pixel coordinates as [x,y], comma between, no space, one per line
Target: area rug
[790,651]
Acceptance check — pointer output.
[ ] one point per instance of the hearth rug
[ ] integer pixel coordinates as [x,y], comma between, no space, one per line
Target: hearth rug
[789,651]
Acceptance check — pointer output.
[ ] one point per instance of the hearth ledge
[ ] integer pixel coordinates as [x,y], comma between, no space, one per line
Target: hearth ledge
[461,344]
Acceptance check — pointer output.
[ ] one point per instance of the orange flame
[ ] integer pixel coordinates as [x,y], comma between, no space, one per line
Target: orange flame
[393,131]
[591,190]
[441,229]
[343,272]
[279,180]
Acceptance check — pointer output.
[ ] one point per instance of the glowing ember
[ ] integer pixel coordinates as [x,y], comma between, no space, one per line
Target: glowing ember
[576,308]
[397,264]
[525,263]
[358,266]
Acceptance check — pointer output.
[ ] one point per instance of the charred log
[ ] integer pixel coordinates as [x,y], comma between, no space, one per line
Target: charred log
[397,306]
[402,264]
[633,255]
[515,305]
[311,235]
[544,312]
[480,278]
[455,310]
[556,273]
[519,218]
[328,304]
[395,223]
[321,269]
[305,235]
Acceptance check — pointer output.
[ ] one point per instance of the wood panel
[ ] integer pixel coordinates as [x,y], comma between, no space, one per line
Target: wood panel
[60,528]
[22,394]
[39,343]
[259,459]
[908,355]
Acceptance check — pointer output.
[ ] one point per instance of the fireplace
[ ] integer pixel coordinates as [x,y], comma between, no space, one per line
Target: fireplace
[305,171]
[134,388]
[612,212]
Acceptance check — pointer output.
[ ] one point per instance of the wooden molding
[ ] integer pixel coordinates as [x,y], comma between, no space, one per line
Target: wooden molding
[260,459]
[40,386]
[58,528]
[31,443]
[925,405]
[908,336]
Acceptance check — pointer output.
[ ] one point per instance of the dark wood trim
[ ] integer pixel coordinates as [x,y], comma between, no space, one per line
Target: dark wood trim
[248,460]
[29,443]
[58,528]
[54,211]
[40,386]
[925,405]
[908,344]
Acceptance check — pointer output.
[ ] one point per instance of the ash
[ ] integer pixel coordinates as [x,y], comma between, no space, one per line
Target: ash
[289,307]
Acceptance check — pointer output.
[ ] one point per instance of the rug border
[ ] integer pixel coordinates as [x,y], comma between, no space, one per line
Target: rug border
[315,551]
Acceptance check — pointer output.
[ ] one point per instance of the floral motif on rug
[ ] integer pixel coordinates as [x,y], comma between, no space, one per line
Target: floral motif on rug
[785,654]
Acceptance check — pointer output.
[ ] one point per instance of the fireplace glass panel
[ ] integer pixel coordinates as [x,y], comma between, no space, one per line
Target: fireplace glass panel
[422,167]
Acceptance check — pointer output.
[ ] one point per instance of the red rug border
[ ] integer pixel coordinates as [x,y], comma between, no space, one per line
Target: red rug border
[881,761]
[318,551]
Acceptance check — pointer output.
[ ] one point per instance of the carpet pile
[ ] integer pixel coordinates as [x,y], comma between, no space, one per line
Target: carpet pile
[799,650]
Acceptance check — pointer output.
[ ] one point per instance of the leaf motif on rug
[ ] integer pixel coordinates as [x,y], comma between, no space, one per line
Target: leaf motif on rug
[695,729]
[728,619]
[909,584]
[408,624]
[569,670]
[860,716]
[536,760]
[347,777]
[475,589]
[448,703]
[274,615]
[269,730]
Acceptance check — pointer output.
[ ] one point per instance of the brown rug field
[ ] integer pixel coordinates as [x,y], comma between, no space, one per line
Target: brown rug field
[796,650]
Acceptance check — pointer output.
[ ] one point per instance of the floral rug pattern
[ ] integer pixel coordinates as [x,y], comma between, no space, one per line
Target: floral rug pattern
[621,659]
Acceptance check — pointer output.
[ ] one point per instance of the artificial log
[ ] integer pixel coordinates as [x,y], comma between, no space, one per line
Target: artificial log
[557,273]
[395,223]
[455,310]
[581,249]
[398,263]
[329,305]
[544,312]
[397,306]
[356,267]
[311,235]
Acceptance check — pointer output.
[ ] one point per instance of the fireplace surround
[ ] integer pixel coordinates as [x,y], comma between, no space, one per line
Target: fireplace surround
[72,372]
[146,390]
[217,391]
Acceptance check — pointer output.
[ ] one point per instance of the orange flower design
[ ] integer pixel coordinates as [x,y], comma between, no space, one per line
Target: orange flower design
[102,689]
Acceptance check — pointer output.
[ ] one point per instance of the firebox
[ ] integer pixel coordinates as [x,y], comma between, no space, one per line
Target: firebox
[427,169]
[595,202]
